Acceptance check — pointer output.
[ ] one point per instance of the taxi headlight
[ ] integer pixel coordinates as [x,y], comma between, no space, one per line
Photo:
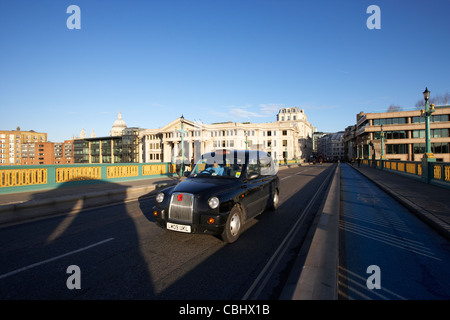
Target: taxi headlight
[160,197]
[213,202]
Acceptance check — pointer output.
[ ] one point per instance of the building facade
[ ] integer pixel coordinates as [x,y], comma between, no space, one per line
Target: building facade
[331,146]
[122,146]
[289,137]
[404,135]
[47,153]
[11,142]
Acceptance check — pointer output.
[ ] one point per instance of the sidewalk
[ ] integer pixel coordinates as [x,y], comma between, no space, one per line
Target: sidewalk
[318,279]
[429,202]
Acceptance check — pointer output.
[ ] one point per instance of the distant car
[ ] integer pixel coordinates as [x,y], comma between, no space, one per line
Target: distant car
[225,189]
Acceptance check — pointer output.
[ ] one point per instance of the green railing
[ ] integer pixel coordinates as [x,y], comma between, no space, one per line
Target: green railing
[29,178]
[439,172]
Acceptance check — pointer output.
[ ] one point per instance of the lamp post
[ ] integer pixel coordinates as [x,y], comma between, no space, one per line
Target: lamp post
[182,132]
[246,139]
[428,155]
[382,144]
[427,114]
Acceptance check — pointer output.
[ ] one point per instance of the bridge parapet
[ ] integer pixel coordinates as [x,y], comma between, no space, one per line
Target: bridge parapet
[28,178]
[439,171]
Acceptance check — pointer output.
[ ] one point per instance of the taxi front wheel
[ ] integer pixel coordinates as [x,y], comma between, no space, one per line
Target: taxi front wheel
[233,226]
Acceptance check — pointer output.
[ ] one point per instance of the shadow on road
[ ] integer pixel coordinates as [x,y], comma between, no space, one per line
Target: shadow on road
[43,250]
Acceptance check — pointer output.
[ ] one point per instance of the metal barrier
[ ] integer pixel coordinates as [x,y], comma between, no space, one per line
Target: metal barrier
[22,177]
[77,174]
[29,178]
[439,171]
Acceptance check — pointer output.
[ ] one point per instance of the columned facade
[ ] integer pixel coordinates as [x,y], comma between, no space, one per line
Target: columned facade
[289,137]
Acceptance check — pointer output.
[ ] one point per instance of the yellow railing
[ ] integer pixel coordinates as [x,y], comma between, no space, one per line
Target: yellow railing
[411,168]
[122,171]
[447,173]
[22,177]
[77,174]
[437,172]
[151,169]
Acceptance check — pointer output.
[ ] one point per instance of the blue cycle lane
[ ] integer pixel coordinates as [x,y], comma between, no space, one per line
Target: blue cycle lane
[386,252]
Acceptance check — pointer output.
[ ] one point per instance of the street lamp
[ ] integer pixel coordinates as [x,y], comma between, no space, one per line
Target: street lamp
[428,157]
[182,132]
[382,144]
[246,139]
[427,114]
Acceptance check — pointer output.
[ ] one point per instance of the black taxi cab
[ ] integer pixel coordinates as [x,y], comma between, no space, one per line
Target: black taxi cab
[225,189]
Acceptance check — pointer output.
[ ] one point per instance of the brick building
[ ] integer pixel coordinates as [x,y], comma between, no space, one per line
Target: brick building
[11,144]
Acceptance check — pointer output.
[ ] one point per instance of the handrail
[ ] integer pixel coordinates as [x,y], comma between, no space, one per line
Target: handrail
[28,177]
[439,171]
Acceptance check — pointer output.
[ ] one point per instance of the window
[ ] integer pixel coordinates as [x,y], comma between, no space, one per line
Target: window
[434,133]
[396,148]
[378,122]
[417,119]
[284,132]
[440,118]
[439,133]
[390,135]
[440,147]
[418,134]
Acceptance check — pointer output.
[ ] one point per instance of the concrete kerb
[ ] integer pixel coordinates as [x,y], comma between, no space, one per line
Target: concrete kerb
[434,222]
[17,212]
[318,278]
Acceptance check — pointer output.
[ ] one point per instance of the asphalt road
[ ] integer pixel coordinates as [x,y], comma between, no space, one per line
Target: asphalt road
[117,252]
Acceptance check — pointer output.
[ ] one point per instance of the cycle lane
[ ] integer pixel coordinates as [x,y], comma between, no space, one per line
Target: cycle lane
[384,245]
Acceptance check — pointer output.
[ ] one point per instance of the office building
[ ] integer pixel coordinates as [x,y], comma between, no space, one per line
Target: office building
[404,135]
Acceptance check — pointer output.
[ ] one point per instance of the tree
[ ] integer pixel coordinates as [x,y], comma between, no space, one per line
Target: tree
[438,100]
[394,108]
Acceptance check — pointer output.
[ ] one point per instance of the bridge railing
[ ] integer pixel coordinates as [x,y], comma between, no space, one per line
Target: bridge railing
[29,178]
[439,171]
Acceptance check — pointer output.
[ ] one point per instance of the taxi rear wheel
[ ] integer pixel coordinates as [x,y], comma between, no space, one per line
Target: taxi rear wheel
[232,229]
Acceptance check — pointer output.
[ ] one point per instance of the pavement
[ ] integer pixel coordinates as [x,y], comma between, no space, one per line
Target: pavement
[318,278]
[428,202]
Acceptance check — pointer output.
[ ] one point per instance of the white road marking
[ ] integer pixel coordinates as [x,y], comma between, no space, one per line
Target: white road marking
[52,259]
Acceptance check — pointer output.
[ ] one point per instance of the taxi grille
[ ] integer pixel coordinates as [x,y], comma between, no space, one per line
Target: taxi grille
[180,209]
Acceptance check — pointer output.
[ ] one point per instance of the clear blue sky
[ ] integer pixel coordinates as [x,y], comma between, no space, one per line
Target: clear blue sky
[214,60]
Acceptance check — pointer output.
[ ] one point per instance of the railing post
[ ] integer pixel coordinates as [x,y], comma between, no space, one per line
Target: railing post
[427,170]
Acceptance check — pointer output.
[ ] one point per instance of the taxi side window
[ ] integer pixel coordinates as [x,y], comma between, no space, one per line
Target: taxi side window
[253,169]
[266,165]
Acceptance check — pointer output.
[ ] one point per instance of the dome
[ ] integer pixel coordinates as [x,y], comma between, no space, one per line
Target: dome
[118,126]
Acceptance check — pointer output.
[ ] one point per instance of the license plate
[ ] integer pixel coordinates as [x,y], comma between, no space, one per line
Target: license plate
[178,227]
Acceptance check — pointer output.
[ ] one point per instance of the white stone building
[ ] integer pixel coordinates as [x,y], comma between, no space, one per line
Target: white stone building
[288,137]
